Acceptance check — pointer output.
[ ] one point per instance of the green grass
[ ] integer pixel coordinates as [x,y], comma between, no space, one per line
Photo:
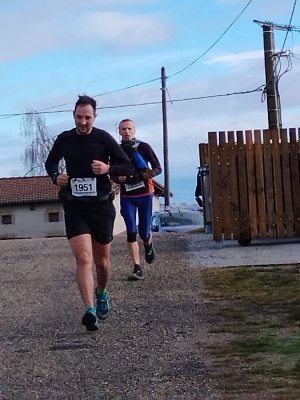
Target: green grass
[258,316]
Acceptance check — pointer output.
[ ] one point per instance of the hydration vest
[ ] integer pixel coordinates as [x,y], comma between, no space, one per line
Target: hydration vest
[137,158]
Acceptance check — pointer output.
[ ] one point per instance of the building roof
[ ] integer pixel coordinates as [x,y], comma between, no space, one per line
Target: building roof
[38,188]
[27,189]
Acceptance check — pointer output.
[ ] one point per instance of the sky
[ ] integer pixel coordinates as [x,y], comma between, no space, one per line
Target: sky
[51,52]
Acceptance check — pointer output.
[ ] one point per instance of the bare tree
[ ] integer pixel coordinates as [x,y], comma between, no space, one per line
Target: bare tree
[34,128]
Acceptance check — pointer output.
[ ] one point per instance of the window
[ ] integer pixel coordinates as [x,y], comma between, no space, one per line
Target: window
[6,219]
[53,217]
[155,221]
[181,218]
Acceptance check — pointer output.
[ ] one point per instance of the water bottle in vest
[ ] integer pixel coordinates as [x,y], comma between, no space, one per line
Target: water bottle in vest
[139,160]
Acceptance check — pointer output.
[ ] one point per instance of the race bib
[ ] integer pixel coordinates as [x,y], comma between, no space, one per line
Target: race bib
[84,187]
[134,186]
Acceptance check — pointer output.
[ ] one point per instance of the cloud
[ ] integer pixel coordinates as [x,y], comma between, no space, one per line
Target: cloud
[124,30]
[274,9]
[234,59]
[44,29]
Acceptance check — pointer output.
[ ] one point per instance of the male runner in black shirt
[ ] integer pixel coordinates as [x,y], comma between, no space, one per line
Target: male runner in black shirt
[90,155]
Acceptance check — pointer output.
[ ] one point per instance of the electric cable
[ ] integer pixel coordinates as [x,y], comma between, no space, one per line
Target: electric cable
[259,89]
[294,55]
[156,79]
[289,25]
[203,54]
[105,93]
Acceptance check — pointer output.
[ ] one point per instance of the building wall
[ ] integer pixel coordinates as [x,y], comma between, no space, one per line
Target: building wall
[32,221]
[119,225]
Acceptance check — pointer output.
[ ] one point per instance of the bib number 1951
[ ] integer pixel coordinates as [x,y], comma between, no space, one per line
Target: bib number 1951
[84,187]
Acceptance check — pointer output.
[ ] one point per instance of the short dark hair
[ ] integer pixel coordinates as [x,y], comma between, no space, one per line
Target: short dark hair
[85,100]
[126,120]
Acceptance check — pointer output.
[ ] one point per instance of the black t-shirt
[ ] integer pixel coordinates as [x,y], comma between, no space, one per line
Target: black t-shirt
[79,151]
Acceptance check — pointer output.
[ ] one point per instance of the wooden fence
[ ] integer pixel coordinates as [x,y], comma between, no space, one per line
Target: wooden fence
[255,184]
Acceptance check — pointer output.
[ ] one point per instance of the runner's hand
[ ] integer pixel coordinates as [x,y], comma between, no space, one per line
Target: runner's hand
[100,168]
[122,179]
[62,180]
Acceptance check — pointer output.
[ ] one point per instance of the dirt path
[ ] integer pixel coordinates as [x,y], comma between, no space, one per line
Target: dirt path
[151,346]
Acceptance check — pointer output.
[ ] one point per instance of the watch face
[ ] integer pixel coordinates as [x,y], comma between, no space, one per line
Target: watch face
[55,175]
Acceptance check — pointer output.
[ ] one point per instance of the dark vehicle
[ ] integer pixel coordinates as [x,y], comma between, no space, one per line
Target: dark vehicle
[176,221]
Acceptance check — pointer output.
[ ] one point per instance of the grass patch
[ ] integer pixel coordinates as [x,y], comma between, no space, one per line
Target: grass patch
[257,311]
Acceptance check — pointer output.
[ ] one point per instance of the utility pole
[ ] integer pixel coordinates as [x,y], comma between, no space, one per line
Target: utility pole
[273,102]
[273,98]
[165,139]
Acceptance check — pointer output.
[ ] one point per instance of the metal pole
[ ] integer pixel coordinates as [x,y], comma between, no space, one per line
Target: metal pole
[165,140]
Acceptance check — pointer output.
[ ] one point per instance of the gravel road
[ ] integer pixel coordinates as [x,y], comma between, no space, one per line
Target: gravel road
[151,347]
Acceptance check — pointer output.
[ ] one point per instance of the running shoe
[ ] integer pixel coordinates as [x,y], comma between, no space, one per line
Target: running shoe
[149,253]
[103,307]
[137,274]
[89,320]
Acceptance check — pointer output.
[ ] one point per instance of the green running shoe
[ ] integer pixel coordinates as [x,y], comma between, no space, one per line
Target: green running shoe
[89,320]
[103,308]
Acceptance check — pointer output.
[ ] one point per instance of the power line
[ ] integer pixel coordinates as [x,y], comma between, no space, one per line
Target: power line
[203,54]
[259,89]
[295,56]
[105,93]
[156,79]
[289,29]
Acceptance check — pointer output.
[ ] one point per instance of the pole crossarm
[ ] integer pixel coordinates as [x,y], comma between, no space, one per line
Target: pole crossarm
[278,26]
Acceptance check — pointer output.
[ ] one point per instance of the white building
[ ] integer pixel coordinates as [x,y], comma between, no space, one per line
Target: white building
[30,208]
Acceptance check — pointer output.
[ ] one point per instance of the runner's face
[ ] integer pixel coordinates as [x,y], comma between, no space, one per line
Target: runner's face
[127,130]
[84,116]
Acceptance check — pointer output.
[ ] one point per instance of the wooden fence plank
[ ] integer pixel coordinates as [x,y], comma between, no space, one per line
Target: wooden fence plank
[215,187]
[297,211]
[243,187]
[234,192]
[251,184]
[224,184]
[295,179]
[277,182]
[204,153]
[260,185]
[268,168]
[286,183]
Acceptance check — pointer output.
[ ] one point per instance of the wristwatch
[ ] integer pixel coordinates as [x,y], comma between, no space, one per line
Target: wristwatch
[54,177]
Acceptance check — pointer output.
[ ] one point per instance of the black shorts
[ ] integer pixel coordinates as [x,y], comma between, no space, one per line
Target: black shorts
[95,218]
